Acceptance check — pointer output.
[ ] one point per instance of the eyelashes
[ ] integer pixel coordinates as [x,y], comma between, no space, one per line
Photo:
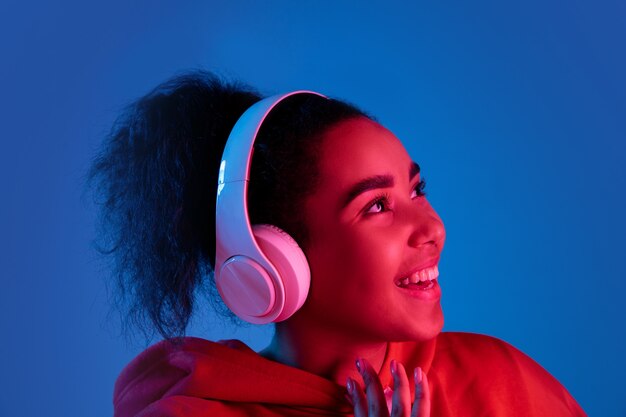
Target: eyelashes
[420,187]
[380,203]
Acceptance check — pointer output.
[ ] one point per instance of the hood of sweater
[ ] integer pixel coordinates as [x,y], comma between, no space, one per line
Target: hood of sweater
[196,374]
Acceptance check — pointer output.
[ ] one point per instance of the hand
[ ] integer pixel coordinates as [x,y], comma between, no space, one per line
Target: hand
[372,403]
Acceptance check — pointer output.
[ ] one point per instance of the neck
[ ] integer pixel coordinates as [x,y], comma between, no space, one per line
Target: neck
[322,351]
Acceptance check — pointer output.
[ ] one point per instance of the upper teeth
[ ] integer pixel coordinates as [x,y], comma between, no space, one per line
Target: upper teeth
[421,275]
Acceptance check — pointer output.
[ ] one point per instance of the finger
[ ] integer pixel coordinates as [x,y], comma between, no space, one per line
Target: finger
[401,401]
[357,398]
[376,403]
[421,404]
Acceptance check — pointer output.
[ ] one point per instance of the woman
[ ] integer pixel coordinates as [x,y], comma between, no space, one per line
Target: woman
[365,339]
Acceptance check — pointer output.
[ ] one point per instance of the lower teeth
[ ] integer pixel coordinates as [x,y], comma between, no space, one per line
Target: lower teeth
[425,285]
[422,285]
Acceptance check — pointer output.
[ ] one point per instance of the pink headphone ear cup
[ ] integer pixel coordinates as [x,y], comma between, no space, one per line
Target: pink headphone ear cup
[249,290]
[290,262]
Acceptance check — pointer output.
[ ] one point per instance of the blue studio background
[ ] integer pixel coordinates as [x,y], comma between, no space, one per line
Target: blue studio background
[516,113]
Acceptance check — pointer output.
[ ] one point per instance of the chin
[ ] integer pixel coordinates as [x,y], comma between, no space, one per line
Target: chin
[435,330]
[423,331]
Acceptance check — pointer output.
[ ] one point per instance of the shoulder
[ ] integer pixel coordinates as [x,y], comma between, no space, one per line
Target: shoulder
[198,377]
[487,355]
[486,367]
[171,354]
[164,365]
[472,340]
[478,345]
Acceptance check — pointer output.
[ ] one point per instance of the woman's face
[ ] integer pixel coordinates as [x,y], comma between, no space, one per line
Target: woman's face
[369,229]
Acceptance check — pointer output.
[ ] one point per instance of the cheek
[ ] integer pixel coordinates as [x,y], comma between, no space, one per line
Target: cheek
[363,259]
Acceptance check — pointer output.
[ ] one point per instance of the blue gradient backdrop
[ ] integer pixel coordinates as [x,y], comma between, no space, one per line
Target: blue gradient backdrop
[516,113]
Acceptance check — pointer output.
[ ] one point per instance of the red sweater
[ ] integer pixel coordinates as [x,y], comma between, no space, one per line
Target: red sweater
[469,375]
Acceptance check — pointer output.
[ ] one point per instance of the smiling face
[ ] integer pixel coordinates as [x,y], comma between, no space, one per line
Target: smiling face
[370,232]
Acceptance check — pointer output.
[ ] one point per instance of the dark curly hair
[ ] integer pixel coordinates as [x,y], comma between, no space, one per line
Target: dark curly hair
[155,178]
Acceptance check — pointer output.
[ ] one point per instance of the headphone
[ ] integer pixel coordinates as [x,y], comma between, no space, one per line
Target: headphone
[260,271]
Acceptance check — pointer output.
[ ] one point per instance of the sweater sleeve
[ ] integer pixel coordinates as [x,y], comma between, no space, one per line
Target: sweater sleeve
[483,376]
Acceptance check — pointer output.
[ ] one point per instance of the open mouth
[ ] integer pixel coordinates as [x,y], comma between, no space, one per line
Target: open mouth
[423,279]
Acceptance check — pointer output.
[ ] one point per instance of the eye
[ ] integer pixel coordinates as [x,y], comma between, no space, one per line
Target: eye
[418,191]
[380,204]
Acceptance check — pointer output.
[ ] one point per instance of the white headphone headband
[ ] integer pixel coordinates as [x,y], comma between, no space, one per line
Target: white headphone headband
[260,272]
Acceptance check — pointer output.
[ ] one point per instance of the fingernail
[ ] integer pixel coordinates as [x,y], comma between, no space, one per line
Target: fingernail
[350,386]
[358,364]
[418,375]
[394,367]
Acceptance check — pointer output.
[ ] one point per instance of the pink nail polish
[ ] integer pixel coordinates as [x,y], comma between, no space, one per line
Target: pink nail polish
[358,364]
[350,386]
[418,375]
[394,367]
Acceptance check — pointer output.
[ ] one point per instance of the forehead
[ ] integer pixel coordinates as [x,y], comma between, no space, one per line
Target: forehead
[359,148]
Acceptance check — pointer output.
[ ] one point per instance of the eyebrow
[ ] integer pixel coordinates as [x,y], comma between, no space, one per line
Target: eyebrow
[414,169]
[375,182]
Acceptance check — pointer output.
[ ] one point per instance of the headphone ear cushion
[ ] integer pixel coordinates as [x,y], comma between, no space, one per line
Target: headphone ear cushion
[290,262]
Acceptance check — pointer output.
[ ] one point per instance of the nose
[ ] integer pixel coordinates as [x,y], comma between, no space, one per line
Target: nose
[426,228]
